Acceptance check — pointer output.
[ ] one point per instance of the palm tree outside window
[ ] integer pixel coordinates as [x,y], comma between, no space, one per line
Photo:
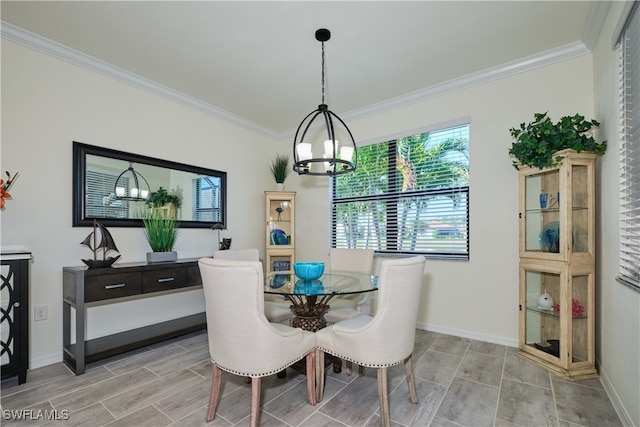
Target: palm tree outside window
[408,196]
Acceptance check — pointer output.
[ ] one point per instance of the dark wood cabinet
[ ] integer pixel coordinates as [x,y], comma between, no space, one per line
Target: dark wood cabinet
[83,287]
[14,309]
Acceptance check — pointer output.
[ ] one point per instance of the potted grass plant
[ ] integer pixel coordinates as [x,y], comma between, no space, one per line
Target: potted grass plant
[280,169]
[538,142]
[161,233]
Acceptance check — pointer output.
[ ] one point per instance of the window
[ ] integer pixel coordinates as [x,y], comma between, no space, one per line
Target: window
[629,271]
[408,196]
[206,199]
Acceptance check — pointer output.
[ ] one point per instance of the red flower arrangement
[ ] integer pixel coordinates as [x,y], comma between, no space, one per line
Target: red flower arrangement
[4,188]
[577,309]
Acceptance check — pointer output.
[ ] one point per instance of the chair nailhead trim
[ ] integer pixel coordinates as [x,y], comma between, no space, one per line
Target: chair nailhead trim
[359,362]
[264,374]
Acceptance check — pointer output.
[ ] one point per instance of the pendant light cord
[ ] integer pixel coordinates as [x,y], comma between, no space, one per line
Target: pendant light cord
[322,81]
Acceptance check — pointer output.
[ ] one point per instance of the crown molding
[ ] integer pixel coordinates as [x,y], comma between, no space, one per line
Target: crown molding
[60,51]
[521,65]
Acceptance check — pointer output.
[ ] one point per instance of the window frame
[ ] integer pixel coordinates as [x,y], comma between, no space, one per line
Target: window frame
[393,200]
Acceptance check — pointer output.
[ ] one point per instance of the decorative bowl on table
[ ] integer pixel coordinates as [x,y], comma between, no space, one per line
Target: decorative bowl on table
[308,270]
[308,287]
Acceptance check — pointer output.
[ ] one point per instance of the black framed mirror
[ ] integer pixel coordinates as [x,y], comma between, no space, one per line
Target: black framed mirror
[201,192]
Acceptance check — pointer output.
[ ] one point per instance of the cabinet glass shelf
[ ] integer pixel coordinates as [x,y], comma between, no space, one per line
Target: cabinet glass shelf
[552,313]
[550,210]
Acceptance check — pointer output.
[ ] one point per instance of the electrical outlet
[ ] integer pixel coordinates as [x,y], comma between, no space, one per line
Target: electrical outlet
[40,313]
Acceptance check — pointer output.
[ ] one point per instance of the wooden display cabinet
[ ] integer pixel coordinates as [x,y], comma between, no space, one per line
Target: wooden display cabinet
[557,257]
[280,234]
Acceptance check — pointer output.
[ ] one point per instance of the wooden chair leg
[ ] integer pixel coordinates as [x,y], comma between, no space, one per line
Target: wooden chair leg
[349,366]
[383,397]
[319,375]
[255,402]
[408,368]
[361,371]
[216,379]
[311,377]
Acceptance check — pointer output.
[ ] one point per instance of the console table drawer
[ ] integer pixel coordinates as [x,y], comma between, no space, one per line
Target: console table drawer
[193,275]
[108,286]
[162,280]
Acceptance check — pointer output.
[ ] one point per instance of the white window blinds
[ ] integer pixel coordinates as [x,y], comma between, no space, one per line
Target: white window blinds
[100,196]
[408,196]
[630,151]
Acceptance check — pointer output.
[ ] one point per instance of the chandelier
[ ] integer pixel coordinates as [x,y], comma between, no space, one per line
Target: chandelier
[336,159]
[129,186]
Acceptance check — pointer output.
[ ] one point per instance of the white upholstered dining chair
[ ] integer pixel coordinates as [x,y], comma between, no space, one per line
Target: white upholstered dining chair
[347,306]
[276,308]
[354,261]
[382,340]
[241,339]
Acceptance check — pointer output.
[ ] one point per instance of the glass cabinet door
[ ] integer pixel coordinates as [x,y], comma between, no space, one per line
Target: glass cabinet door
[581,324]
[279,221]
[542,213]
[547,321]
[280,230]
[580,208]
[542,321]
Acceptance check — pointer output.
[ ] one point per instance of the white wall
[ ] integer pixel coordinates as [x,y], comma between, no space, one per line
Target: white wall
[618,323]
[47,104]
[478,298]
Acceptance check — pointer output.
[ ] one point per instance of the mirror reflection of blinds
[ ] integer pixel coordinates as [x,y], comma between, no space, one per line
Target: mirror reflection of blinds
[629,269]
[100,197]
[206,199]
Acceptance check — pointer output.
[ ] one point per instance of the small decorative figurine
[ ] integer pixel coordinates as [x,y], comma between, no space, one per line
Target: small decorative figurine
[545,302]
[105,246]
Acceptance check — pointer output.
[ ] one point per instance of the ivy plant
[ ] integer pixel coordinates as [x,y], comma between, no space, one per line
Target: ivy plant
[537,142]
[159,198]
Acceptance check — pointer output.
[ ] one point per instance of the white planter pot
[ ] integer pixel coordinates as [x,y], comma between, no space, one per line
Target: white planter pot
[279,186]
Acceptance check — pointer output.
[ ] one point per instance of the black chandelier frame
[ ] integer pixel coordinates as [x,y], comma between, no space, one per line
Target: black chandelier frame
[333,165]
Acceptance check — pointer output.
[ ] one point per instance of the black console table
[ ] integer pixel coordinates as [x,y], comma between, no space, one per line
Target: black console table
[84,287]
[14,309]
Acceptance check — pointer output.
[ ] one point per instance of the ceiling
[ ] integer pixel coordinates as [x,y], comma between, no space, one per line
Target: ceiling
[258,63]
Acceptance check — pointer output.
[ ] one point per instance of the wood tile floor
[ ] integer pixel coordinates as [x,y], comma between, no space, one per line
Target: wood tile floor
[460,382]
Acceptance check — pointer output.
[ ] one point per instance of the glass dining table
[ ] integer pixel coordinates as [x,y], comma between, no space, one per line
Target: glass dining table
[310,298]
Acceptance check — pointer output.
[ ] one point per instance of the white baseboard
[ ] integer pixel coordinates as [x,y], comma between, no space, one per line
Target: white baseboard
[45,361]
[468,334]
[613,397]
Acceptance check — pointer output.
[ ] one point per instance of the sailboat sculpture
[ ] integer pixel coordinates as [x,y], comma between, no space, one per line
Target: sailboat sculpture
[105,246]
